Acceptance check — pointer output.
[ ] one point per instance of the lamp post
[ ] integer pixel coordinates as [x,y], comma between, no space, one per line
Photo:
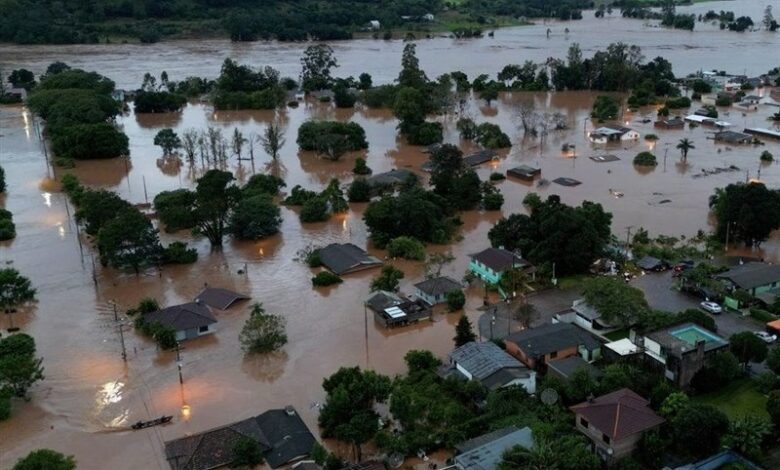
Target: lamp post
[178,363]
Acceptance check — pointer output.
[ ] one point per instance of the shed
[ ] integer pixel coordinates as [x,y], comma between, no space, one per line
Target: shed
[345,258]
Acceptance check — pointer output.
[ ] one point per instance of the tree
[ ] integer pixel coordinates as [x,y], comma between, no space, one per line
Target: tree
[263,332]
[246,453]
[388,279]
[19,368]
[616,302]
[453,180]
[456,299]
[645,159]
[168,141]
[261,184]
[773,360]
[489,94]
[525,314]
[464,332]
[45,459]
[769,20]
[15,289]
[566,452]
[189,143]
[317,62]
[175,209]
[773,407]
[359,191]
[237,142]
[2,180]
[254,218]
[215,199]
[22,78]
[747,435]
[411,75]
[747,212]
[348,412]
[272,139]
[421,361]
[314,210]
[435,262]
[747,347]
[705,422]
[605,108]
[684,146]
[129,241]
[407,248]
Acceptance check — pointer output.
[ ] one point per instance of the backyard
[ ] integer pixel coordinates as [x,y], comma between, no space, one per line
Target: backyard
[737,399]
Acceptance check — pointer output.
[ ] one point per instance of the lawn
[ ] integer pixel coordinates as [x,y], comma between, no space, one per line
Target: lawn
[737,399]
[617,334]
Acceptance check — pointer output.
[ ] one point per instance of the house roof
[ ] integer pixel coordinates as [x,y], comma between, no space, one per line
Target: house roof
[182,317]
[381,300]
[482,360]
[343,258]
[611,130]
[570,365]
[368,465]
[485,452]
[307,465]
[681,339]
[545,339]
[438,285]
[389,178]
[649,262]
[733,137]
[480,157]
[619,414]
[282,436]
[219,298]
[499,259]
[751,275]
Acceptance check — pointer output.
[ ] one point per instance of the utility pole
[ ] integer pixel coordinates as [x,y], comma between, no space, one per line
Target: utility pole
[628,238]
[178,363]
[666,152]
[121,331]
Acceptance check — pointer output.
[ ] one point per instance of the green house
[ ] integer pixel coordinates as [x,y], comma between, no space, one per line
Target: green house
[491,264]
[757,279]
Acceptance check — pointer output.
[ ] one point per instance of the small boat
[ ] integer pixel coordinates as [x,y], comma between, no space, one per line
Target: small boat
[154,422]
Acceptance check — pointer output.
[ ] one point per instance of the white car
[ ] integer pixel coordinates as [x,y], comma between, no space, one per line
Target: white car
[766,337]
[711,307]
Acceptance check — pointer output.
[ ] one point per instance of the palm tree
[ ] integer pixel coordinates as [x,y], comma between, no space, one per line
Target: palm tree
[685,145]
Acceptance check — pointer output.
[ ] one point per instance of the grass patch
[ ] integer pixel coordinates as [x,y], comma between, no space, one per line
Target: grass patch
[617,334]
[573,282]
[738,399]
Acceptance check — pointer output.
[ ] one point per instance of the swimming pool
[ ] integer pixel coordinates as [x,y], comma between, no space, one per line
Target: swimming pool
[693,334]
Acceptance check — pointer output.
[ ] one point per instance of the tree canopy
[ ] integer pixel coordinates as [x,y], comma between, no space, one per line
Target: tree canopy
[45,459]
[15,289]
[617,302]
[747,212]
[263,332]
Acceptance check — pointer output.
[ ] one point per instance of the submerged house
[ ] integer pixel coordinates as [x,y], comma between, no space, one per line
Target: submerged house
[216,297]
[605,134]
[346,258]
[189,320]
[391,309]
[281,434]
[732,137]
[615,423]
[667,123]
[434,291]
[536,347]
[389,180]
[491,264]
[490,365]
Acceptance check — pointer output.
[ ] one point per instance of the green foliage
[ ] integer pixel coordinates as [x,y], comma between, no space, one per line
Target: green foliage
[388,279]
[645,159]
[678,103]
[605,108]
[241,87]
[767,381]
[495,176]
[773,360]
[45,459]
[766,156]
[331,139]
[464,332]
[490,136]
[254,218]
[2,180]
[298,196]
[21,78]
[674,404]
[7,226]
[168,141]
[263,332]
[568,452]
[15,289]
[705,422]
[163,335]
[262,184]
[700,86]
[421,361]
[5,405]
[89,141]
[407,248]
[359,191]
[492,199]
[146,305]
[747,435]
[325,278]
[314,210]
[748,347]
[721,369]
[773,407]
[128,241]
[215,198]
[570,237]
[19,368]
[317,62]
[146,101]
[425,133]
[246,453]
[175,209]
[616,302]
[179,253]
[467,128]
[455,300]
[453,180]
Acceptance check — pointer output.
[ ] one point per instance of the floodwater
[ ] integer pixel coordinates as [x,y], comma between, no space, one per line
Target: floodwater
[90,396]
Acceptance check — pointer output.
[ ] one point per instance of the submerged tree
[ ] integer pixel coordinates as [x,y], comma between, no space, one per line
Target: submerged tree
[263,332]
[272,139]
[464,332]
[19,368]
[168,141]
[45,459]
[215,198]
[684,146]
[317,62]
[15,289]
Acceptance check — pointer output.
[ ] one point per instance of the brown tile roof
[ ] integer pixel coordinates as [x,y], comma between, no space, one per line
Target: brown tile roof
[619,414]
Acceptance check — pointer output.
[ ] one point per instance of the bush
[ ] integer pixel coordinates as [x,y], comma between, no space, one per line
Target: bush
[89,141]
[766,156]
[605,108]
[360,167]
[455,300]
[254,218]
[766,382]
[7,227]
[493,201]
[263,184]
[298,196]
[359,191]
[677,103]
[174,209]
[645,159]
[490,136]
[496,176]
[315,210]
[467,128]
[315,135]
[407,248]
[651,137]
[762,315]
[164,336]
[427,133]
[179,253]
[723,100]
[325,278]
[380,97]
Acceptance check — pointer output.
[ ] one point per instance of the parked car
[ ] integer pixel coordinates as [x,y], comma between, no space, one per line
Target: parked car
[766,337]
[711,307]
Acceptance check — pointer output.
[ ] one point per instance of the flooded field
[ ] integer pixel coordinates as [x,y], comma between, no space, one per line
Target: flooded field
[90,396]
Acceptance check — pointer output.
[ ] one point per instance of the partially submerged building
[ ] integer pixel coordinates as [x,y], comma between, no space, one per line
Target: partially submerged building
[492,264]
[221,299]
[606,134]
[391,309]
[346,258]
[434,291]
[732,137]
[189,320]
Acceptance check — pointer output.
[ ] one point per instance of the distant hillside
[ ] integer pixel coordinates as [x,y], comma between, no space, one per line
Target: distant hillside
[92,21]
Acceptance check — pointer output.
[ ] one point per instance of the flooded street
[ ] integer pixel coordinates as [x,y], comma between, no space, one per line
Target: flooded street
[90,396]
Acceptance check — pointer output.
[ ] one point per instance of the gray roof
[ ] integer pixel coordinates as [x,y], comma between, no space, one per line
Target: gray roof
[381,300]
[545,339]
[486,452]
[219,298]
[480,157]
[499,259]
[585,310]
[390,178]
[283,437]
[482,360]
[182,317]
[649,262]
[505,376]
[570,365]
[733,137]
[750,275]
[438,285]
[343,258]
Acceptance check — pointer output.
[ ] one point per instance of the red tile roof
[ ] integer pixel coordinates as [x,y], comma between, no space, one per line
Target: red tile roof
[619,414]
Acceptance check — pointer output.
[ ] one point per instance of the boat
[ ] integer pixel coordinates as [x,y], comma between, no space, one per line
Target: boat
[154,422]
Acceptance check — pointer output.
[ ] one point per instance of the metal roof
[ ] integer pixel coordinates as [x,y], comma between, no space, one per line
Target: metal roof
[482,360]
[343,258]
[751,275]
[182,317]
[486,452]
[219,298]
[545,339]
[438,285]
[499,259]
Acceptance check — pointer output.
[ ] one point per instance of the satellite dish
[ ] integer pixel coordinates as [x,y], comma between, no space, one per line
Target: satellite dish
[549,396]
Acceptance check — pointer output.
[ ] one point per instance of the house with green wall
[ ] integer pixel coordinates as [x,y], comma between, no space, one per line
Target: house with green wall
[755,278]
[492,264]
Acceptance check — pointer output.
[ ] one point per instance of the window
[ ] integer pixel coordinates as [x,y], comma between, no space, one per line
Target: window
[605,438]
[203,329]
[583,422]
[553,354]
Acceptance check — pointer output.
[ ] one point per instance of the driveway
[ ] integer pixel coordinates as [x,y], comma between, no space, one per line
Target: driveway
[496,322]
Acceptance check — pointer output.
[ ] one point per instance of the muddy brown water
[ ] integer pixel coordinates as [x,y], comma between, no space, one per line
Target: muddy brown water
[90,395]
